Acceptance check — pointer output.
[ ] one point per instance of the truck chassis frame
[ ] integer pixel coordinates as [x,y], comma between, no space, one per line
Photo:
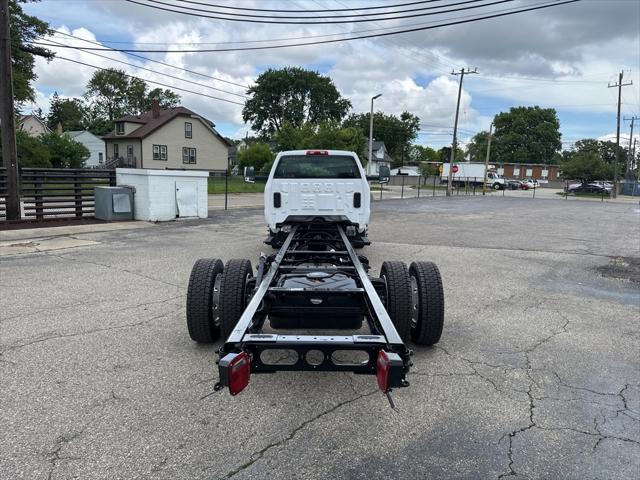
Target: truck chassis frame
[328,243]
[316,281]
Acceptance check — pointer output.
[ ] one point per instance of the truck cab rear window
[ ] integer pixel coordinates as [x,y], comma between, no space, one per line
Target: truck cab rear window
[316,166]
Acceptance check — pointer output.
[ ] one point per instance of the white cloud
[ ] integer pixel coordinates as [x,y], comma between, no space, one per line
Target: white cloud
[580,43]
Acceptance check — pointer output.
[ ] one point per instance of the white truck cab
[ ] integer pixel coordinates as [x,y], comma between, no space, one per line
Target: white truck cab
[306,185]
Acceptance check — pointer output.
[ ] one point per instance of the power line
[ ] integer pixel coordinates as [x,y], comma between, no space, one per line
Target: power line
[156,5]
[152,81]
[324,42]
[304,11]
[392,41]
[107,48]
[159,73]
[306,37]
[314,17]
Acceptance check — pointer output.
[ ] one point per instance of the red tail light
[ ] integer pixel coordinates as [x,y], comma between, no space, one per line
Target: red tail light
[389,371]
[382,370]
[317,152]
[235,369]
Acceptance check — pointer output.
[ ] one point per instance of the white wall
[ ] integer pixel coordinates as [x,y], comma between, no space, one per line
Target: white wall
[155,191]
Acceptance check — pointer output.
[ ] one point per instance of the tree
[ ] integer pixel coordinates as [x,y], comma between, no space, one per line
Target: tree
[64,152]
[477,147]
[166,98]
[31,151]
[135,97]
[397,133]
[328,135]
[258,156]
[419,154]
[605,151]
[69,112]
[108,92]
[526,135]
[24,29]
[586,166]
[112,93]
[292,95]
[445,155]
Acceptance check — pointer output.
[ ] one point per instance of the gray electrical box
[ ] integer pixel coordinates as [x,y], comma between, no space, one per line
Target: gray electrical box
[114,203]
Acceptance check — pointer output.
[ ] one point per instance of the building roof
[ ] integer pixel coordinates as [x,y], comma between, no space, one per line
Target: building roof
[530,164]
[148,124]
[377,145]
[76,133]
[24,118]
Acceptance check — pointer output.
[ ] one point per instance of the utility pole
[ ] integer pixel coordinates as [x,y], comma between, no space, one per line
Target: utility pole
[369,160]
[486,161]
[7,116]
[631,142]
[619,86]
[454,146]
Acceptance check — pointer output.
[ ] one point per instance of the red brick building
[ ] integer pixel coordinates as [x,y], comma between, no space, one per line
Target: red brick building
[535,171]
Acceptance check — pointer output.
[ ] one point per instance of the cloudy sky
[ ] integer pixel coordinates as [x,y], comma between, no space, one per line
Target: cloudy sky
[561,57]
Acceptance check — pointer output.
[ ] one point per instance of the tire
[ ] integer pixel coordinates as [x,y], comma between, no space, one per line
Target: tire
[427,303]
[496,186]
[202,318]
[398,298]
[233,293]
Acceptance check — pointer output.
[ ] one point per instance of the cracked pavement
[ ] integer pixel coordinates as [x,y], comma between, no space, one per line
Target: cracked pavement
[536,376]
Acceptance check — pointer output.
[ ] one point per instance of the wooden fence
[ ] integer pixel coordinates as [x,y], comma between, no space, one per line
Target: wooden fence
[56,192]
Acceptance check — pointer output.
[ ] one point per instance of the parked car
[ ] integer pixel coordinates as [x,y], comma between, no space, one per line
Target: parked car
[590,188]
[527,183]
[603,183]
[513,184]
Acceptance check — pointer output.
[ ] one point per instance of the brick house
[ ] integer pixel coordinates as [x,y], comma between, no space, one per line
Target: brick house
[171,138]
[534,171]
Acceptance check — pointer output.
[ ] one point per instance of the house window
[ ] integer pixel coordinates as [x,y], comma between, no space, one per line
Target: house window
[544,173]
[119,128]
[529,172]
[516,171]
[116,154]
[500,171]
[100,157]
[130,152]
[159,152]
[188,130]
[188,155]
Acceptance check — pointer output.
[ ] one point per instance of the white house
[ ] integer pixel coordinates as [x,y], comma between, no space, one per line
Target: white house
[380,157]
[94,144]
[32,125]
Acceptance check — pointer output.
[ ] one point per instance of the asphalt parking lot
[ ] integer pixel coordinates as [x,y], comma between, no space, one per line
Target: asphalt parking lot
[536,376]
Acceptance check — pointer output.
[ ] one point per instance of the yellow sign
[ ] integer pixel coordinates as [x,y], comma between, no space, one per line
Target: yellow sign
[440,168]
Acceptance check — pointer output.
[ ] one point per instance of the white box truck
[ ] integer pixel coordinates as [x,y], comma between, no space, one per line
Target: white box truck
[473,174]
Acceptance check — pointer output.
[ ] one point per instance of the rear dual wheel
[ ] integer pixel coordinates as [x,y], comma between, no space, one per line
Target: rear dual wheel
[427,302]
[233,293]
[203,320]
[415,300]
[216,297]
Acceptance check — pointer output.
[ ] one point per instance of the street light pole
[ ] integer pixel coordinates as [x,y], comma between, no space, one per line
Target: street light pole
[371,128]
[486,161]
